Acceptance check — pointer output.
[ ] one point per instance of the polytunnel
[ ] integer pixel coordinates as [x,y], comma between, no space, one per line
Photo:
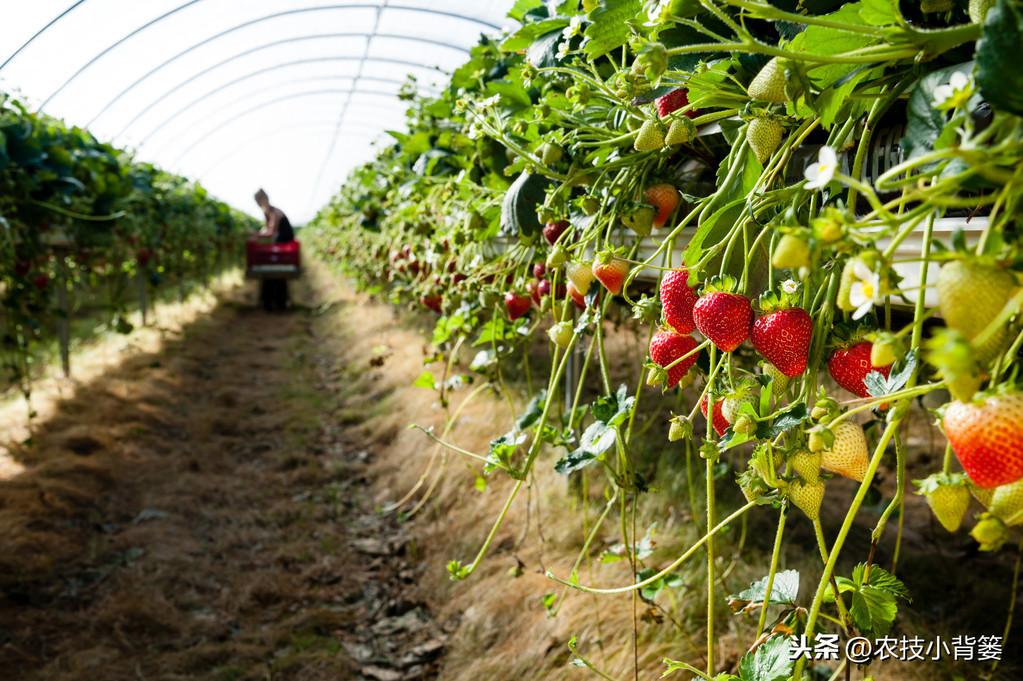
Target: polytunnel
[417,340]
[287,94]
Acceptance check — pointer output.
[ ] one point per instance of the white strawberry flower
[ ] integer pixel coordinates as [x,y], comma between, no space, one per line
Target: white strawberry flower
[819,174]
[865,291]
[491,101]
[955,93]
[790,286]
[574,28]
[563,49]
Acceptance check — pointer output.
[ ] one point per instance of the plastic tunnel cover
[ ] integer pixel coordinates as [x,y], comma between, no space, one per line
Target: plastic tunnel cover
[284,94]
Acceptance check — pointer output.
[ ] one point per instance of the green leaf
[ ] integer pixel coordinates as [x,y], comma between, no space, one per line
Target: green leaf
[878,386]
[825,41]
[533,412]
[529,33]
[874,605]
[784,591]
[927,128]
[998,73]
[425,380]
[521,8]
[880,12]
[544,50]
[573,462]
[610,26]
[770,662]
[518,212]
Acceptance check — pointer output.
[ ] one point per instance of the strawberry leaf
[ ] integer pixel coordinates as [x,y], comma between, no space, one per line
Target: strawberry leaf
[784,591]
[610,28]
[998,73]
[770,662]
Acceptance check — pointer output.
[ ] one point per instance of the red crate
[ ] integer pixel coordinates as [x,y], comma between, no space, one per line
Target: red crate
[273,261]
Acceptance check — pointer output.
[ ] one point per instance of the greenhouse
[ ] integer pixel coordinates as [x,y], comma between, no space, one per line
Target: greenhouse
[522,339]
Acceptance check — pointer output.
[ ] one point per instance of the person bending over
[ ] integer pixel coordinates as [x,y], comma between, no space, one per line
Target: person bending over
[277,226]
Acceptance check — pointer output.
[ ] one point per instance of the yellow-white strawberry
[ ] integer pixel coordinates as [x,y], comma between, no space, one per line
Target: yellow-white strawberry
[847,455]
[681,131]
[650,136]
[948,495]
[764,134]
[1007,503]
[791,253]
[807,497]
[971,294]
[769,84]
[806,464]
[581,276]
[779,381]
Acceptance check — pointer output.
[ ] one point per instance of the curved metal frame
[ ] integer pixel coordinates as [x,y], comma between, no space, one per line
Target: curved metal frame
[297,10]
[283,41]
[263,105]
[255,94]
[38,33]
[253,74]
[252,50]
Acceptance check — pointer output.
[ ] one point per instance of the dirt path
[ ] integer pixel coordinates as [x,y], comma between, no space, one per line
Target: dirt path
[193,515]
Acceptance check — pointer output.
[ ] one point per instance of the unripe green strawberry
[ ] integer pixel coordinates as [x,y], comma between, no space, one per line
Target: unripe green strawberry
[780,382]
[764,135]
[561,334]
[979,9]
[640,220]
[791,253]
[1007,503]
[847,455]
[807,497]
[990,532]
[680,428]
[948,496]
[885,350]
[681,131]
[581,276]
[650,136]
[556,258]
[950,353]
[806,464]
[551,153]
[744,393]
[769,84]
[971,294]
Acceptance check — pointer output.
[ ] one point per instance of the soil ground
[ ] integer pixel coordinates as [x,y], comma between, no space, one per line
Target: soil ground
[192,515]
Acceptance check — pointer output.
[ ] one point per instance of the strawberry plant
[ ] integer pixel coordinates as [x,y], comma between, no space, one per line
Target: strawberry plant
[851,167]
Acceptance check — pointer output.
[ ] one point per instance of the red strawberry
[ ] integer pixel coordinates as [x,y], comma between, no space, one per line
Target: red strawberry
[543,288]
[783,338]
[849,366]
[677,300]
[539,270]
[724,318]
[578,298]
[720,422]
[534,291]
[664,198]
[554,229]
[987,437]
[41,281]
[667,346]
[673,101]
[611,274]
[432,301]
[516,305]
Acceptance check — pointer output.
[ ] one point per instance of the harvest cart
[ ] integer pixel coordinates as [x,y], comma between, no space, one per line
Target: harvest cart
[273,265]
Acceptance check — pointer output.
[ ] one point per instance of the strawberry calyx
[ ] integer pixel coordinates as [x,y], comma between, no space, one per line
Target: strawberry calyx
[936,481]
[722,283]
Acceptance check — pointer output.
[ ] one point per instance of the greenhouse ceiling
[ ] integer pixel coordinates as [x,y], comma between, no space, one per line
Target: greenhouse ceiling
[284,94]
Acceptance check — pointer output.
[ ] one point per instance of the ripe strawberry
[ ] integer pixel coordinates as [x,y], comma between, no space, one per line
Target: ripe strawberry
[764,135]
[807,497]
[41,281]
[673,101]
[948,496]
[561,334]
[578,298]
[987,437]
[650,137]
[432,302]
[849,366]
[847,455]
[720,422]
[970,296]
[516,305]
[783,338]
[553,230]
[807,465]
[677,301]
[539,270]
[666,347]
[580,274]
[611,273]
[769,84]
[664,198]
[533,291]
[791,253]
[724,318]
